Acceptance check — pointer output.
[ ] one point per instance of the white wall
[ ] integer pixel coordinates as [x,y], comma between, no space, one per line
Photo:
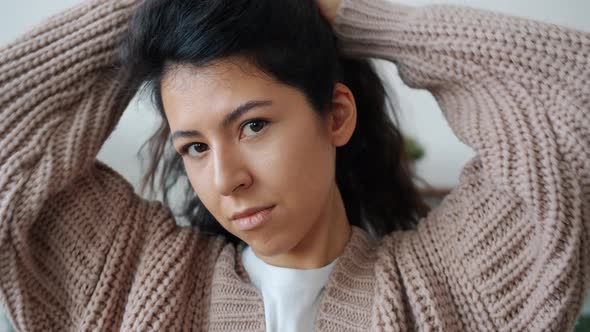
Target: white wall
[445,155]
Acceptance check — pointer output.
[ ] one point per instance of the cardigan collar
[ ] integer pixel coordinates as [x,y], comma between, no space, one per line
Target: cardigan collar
[347,300]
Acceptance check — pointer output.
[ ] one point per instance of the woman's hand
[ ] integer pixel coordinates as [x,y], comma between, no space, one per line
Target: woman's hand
[328,8]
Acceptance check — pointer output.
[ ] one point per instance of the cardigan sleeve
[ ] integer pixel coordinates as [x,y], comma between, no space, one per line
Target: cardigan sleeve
[69,225]
[509,247]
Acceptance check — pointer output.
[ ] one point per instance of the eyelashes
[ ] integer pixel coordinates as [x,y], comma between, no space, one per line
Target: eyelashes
[255,121]
[184,149]
[196,149]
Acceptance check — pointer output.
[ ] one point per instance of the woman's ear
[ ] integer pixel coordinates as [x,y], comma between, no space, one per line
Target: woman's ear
[342,116]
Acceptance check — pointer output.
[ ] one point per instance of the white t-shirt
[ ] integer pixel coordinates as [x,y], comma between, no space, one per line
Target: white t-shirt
[291,296]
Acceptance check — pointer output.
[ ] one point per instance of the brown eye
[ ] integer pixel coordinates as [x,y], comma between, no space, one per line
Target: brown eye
[252,128]
[195,149]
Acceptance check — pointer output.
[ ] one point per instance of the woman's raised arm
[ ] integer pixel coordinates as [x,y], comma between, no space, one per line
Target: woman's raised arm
[70,228]
[508,249]
[59,97]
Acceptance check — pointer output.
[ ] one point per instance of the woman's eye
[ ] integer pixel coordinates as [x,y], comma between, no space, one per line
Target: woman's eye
[194,149]
[251,128]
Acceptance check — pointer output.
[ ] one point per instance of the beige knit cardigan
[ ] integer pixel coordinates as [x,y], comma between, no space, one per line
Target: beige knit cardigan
[508,249]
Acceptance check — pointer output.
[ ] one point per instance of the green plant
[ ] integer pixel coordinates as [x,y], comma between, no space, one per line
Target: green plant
[583,324]
[415,150]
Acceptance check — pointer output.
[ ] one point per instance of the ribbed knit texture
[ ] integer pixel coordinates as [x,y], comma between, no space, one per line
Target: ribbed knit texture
[508,249]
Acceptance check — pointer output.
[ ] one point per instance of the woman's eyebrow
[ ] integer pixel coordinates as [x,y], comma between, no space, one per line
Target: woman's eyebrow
[243,109]
[227,121]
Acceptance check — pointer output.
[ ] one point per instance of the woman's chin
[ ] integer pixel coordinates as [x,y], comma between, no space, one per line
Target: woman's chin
[271,249]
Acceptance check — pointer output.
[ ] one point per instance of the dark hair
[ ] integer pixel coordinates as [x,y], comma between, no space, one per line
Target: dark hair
[291,42]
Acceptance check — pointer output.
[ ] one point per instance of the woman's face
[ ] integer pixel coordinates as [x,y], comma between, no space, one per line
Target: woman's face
[275,151]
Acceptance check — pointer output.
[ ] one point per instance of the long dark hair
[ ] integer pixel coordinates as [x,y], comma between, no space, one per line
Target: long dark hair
[290,41]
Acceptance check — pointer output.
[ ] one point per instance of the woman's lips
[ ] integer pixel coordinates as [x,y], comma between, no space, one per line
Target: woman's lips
[254,220]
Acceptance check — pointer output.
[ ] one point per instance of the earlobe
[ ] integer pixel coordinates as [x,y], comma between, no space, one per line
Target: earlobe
[343,115]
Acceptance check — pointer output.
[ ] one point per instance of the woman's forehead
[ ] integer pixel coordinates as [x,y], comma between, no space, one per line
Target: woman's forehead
[219,87]
[203,97]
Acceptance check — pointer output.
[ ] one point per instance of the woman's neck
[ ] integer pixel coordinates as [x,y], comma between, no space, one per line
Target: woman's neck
[323,243]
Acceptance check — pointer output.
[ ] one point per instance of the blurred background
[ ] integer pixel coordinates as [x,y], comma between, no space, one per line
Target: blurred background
[440,156]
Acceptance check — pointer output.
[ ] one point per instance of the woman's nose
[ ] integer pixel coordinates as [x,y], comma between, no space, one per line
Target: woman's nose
[230,172]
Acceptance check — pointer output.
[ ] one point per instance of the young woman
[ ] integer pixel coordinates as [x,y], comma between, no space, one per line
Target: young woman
[304,210]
